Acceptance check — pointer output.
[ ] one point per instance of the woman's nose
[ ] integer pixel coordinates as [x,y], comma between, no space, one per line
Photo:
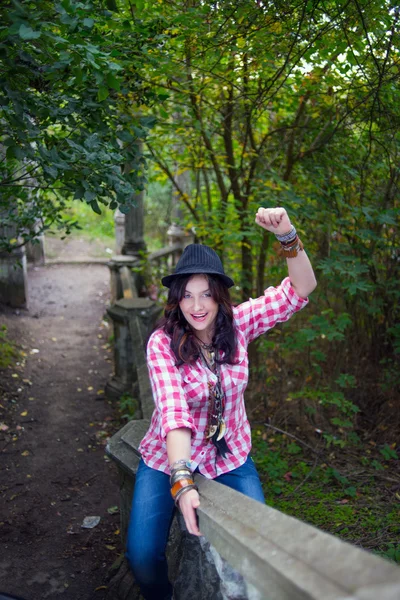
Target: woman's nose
[197,304]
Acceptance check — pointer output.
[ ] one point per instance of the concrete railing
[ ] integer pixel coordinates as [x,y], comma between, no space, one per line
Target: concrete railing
[253,551]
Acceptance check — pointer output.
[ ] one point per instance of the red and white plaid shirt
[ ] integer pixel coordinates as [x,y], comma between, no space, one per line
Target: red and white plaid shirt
[181,393]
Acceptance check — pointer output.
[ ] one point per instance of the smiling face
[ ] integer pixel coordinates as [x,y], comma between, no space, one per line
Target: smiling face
[199,307]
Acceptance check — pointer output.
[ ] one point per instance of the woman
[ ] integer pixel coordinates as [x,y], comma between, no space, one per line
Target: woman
[198,366]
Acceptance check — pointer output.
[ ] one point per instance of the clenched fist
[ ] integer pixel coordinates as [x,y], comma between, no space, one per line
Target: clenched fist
[275,220]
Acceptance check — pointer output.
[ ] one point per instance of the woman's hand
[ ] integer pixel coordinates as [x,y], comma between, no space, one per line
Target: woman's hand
[275,220]
[188,503]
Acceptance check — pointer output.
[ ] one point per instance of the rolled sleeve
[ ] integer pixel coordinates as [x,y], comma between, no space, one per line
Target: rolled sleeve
[278,304]
[166,385]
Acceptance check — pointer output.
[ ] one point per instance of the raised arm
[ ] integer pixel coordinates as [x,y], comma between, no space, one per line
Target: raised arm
[301,273]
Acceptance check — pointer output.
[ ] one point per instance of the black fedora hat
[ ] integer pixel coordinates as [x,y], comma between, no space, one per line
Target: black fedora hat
[195,259]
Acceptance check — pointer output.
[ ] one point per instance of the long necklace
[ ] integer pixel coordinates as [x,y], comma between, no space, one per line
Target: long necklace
[216,427]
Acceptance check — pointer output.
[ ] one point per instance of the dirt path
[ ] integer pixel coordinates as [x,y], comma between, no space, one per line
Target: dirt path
[53,468]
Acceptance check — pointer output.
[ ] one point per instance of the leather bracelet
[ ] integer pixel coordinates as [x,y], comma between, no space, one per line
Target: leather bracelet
[291,251]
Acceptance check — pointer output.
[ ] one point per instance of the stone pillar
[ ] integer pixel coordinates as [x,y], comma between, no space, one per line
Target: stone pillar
[114,265]
[13,278]
[13,272]
[136,316]
[35,250]
[119,221]
[134,242]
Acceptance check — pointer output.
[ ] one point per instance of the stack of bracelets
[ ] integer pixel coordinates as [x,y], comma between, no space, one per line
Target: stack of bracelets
[181,479]
[290,243]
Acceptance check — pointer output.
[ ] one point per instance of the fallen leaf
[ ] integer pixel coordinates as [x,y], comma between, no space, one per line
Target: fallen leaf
[3,427]
[113,510]
[101,587]
[34,351]
[117,532]
[90,388]
[288,476]
[24,413]
[25,453]
[15,375]
[53,339]
[110,547]
[99,392]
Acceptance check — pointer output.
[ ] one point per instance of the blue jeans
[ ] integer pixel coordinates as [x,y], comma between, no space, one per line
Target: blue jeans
[150,521]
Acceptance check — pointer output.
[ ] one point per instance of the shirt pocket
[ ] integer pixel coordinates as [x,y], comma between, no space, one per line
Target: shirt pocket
[237,375]
[195,387]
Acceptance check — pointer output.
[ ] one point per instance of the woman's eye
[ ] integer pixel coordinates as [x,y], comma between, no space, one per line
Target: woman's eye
[207,295]
[186,295]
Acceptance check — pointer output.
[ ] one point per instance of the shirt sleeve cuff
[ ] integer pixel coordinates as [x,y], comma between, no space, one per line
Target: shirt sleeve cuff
[175,419]
[297,302]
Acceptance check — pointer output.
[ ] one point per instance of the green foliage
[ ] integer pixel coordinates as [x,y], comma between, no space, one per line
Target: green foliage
[8,352]
[389,453]
[128,407]
[67,109]
[352,503]
[392,552]
[91,225]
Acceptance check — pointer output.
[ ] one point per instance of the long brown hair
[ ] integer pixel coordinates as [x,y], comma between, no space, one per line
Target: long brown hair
[184,342]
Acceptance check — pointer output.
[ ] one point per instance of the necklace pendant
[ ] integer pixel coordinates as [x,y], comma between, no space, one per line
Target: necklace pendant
[222,430]
[211,431]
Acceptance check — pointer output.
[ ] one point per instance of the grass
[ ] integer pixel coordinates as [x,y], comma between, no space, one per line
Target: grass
[8,351]
[92,226]
[343,494]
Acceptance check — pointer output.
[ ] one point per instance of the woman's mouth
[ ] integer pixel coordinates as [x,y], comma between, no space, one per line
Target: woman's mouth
[200,317]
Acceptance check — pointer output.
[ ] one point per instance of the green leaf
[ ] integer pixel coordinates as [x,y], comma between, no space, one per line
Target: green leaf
[27,33]
[351,491]
[95,207]
[388,453]
[293,448]
[112,5]
[102,94]
[113,82]
[88,22]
